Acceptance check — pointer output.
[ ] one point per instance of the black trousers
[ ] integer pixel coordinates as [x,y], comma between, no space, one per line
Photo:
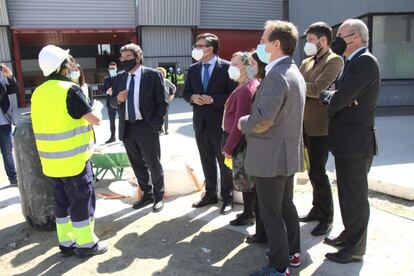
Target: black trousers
[352,180]
[260,230]
[318,150]
[280,218]
[112,116]
[142,145]
[209,147]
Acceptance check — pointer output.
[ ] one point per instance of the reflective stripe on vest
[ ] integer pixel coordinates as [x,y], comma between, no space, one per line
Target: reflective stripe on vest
[63,135]
[64,144]
[65,154]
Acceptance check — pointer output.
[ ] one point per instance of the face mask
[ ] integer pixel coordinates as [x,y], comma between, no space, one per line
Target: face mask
[310,49]
[338,46]
[234,72]
[112,72]
[128,64]
[262,54]
[74,75]
[251,72]
[197,54]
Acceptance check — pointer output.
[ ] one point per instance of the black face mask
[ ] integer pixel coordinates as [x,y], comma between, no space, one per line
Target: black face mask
[339,46]
[128,64]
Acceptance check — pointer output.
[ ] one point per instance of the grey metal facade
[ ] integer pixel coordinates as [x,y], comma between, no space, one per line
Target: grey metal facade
[5,51]
[303,13]
[72,14]
[4,19]
[166,45]
[239,14]
[168,12]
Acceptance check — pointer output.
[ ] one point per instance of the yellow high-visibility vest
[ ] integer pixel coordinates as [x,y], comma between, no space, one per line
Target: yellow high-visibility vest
[64,144]
[180,78]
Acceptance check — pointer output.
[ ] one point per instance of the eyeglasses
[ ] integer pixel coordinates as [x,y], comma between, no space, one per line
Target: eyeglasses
[198,46]
[345,36]
[122,59]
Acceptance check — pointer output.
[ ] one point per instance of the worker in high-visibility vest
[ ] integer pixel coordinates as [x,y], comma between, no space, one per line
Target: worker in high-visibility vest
[180,82]
[62,123]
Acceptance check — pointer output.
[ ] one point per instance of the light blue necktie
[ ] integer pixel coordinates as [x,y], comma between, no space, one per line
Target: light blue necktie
[206,76]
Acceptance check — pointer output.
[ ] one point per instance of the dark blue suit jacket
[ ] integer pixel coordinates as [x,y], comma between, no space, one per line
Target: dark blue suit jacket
[219,88]
[107,84]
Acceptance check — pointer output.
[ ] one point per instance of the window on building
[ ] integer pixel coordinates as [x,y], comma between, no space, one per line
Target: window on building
[393,45]
[104,49]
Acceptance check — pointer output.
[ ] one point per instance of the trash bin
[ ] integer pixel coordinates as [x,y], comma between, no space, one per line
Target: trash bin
[36,190]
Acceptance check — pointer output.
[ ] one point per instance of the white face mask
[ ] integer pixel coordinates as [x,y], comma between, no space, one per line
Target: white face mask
[112,72]
[251,72]
[197,54]
[234,72]
[310,49]
[74,75]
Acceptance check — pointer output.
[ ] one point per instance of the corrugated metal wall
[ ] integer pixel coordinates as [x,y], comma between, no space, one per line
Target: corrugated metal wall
[5,54]
[232,41]
[165,45]
[167,12]
[72,14]
[239,14]
[4,19]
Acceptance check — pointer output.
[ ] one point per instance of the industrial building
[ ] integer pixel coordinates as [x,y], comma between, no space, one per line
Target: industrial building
[94,30]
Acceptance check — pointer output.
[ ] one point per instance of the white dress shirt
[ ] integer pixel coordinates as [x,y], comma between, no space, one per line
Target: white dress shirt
[137,79]
[273,63]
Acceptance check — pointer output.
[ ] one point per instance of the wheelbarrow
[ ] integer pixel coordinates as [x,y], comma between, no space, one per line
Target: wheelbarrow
[110,157]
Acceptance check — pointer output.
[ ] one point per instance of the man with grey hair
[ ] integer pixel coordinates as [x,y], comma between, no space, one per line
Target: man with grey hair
[275,144]
[138,94]
[351,110]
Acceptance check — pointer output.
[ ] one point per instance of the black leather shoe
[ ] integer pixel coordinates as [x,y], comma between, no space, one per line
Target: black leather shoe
[337,242]
[158,205]
[242,220]
[226,208]
[206,200]
[144,201]
[343,257]
[321,229]
[309,217]
[112,139]
[255,239]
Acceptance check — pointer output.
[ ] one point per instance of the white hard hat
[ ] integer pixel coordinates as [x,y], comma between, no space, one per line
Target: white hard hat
[50,58]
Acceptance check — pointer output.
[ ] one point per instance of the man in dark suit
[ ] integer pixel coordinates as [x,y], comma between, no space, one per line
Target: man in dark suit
[138,93]
[351,110]
[274,150]
[207,88]
[319,70]
[107,87]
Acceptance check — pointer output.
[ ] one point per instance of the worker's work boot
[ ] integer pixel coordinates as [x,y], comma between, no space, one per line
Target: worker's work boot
[98,248]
